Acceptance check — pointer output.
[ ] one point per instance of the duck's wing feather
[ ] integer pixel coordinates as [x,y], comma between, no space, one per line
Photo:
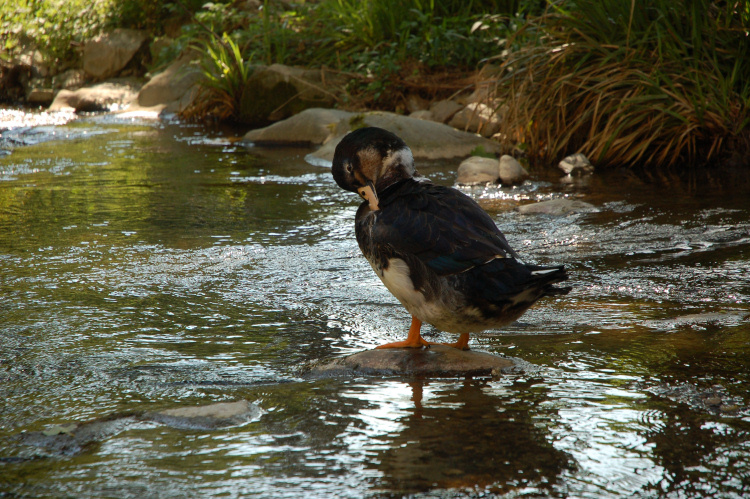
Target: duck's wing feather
[441,226]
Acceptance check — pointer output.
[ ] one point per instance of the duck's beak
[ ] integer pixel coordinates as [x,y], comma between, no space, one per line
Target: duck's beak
[368,192]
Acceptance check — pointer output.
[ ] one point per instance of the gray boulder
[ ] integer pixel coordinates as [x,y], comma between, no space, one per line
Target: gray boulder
[478,170]
[443,110]
[422,114]
[107,54]
[173,89]
[478,118]
[427,139]
[70,79]
[218,415]
[40,96]
[108,96]
[311,127]
[511,171]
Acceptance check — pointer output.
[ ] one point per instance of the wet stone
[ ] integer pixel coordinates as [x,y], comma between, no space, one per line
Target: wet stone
[435,361]
[562,206]
[74,438]
[69,439]
[212,416]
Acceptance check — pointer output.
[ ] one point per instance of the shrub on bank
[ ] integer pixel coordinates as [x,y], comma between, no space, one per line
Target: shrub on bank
[633,83]
[59,28]
[387,48]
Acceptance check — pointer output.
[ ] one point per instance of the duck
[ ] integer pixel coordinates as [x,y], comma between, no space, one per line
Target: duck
[433,247]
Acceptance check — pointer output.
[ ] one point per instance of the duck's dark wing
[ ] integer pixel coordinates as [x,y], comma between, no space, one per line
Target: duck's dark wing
[441,226]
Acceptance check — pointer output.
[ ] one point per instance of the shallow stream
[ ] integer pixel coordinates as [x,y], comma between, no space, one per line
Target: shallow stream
[148,266]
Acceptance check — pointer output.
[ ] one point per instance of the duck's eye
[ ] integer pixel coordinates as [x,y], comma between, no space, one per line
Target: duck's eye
[349,168]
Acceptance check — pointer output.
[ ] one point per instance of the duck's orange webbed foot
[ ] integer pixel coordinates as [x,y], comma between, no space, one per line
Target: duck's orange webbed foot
[413,340]
[461,344]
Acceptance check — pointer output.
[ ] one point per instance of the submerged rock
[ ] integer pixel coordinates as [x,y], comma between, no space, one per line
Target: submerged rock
[714,399]
[207,416]
[74,438]
[435,361]
[562,206]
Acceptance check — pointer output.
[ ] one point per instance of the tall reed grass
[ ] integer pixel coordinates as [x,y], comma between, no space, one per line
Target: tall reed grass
[633,82]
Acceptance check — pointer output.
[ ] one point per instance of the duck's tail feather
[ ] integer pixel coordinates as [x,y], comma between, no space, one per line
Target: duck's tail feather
[547,277]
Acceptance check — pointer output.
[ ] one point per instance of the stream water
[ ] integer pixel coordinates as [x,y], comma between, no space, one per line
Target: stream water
[149,266]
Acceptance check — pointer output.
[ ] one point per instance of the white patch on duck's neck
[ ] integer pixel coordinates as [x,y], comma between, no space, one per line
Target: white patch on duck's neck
[402,157]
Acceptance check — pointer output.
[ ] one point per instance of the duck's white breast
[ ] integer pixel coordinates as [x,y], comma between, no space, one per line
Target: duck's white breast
[441,314]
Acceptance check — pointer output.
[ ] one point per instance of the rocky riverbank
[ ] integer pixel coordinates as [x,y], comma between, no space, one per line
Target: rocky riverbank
[288,106]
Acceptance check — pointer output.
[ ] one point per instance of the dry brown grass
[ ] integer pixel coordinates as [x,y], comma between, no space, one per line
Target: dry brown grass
[654,102]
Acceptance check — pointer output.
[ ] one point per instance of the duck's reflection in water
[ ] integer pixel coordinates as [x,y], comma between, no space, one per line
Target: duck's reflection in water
[469,438]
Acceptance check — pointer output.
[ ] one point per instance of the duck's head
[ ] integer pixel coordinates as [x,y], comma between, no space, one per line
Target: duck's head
[370,159]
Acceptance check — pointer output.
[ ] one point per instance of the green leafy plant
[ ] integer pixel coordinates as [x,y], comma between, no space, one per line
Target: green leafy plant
[225,79]
[58,28]
[54,27]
